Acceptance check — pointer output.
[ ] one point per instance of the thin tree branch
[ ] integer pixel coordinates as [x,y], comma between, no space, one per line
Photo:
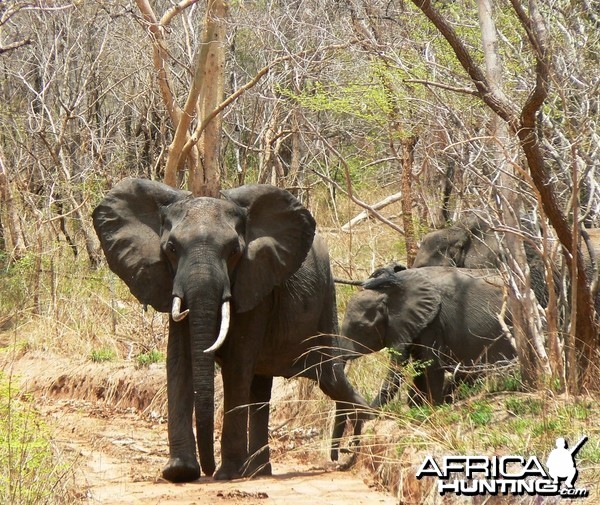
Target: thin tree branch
[14,45]
[175,10]
[368,208]
[503,108]
[249,85]
[466,91]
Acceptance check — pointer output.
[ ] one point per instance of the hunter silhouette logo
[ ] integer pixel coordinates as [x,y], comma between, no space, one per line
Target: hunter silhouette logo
[508,475]
[561,462]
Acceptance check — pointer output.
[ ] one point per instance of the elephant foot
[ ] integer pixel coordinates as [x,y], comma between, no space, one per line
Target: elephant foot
[334,453]
[228,471]
[255,469]
[181,470]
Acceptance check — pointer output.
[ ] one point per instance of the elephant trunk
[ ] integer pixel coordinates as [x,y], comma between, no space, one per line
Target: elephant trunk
[204,317]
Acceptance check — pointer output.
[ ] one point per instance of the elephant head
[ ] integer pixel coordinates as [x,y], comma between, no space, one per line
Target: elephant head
[203,260]
[468,244]
[390,311]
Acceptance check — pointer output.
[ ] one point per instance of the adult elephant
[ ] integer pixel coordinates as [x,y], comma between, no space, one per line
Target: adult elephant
[248,284]
[442,316]
[472,243]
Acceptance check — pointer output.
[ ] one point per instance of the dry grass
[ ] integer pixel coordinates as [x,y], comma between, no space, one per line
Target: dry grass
[56,303]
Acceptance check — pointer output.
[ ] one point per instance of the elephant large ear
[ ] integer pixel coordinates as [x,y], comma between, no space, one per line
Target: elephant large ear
[412,301]
[279,234]
[128,224]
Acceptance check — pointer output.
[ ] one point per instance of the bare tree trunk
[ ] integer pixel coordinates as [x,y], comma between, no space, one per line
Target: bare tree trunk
[296,174]
[408,151]
[522,304]
[199,152]
[11,222]
[265,159]
[523,124]
[207,180]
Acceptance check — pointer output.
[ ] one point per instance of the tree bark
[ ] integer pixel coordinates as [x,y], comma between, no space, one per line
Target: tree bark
[522,303]
[408,151]
[523,124]
[200,154]
[207,180]
[11,215]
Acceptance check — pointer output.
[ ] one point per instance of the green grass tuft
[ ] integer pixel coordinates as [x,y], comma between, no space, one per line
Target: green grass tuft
[148,358]
[103,355]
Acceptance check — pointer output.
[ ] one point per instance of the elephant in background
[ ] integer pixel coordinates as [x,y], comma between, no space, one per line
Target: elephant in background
[248,285]
[443,316]
[470,243]
[473,244]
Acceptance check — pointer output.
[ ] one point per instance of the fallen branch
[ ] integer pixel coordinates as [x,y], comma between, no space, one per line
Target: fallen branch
[373,212]
[366,214]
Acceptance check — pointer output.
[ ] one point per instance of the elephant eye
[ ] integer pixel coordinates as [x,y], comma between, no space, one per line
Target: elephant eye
[171,247]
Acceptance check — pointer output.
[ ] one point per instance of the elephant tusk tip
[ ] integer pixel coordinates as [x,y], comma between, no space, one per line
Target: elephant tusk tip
[226,319]
[180,317]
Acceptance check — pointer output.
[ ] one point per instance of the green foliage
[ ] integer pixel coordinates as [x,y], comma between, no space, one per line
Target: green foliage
[466,390]
[148,358]
[519,406]
[103,355]
[506,382]
[366,101]
[15,283]
[480,413]
[30,473]
[420,413]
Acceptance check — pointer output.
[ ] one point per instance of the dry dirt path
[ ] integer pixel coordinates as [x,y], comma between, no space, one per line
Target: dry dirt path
[117,455]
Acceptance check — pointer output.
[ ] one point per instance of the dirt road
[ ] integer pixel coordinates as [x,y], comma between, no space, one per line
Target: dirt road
[117,453]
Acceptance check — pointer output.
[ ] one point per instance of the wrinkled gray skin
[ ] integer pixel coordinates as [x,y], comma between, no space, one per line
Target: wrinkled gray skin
[443,314]
[467,244]
[254,248]
[473,244]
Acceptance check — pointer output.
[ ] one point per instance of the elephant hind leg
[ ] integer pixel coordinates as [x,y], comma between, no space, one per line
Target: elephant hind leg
[258,442]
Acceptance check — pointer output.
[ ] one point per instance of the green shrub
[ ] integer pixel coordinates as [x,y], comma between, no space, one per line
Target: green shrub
[147,358]
[103,355]
[481,413]
[30,472]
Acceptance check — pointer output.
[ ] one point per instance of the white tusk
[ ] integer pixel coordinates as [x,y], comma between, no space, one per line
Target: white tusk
[225,318]
[175,314]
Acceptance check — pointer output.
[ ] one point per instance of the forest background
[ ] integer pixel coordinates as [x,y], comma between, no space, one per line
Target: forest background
[415,114]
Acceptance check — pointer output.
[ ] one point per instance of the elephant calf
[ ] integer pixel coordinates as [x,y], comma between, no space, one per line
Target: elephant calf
[442,316]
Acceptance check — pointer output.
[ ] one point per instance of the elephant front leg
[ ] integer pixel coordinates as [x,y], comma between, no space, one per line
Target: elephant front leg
[183,465]
[392,382]
[243,345]
[260,395]
[234,436]
[389,389]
